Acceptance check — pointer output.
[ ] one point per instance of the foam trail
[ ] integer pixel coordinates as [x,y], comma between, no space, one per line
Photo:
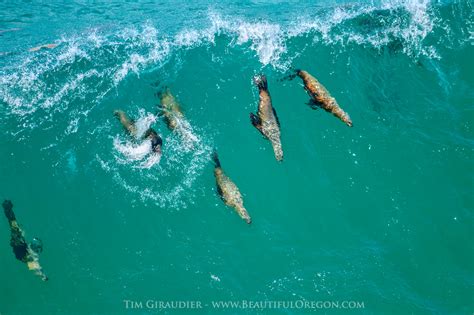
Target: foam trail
[112,56]
[153,158]
[185,131]
[62,91]
[144,123]
[141,151]
[132,151]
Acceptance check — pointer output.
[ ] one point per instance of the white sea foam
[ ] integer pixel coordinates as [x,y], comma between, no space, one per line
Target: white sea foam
[75,77]
[265,39]
[168,184]
[164,180]
[137,148]
[187,135]
[132,151]
[130,50]
[144,122]
[152,159]
[269,40]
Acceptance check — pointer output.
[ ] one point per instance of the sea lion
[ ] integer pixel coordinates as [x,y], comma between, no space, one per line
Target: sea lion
[266,120]
[228,191]
[320,97]
[126,122]
[131,128]
[49,46]
[174,118]
[156,141]
[170,109]
[27,253]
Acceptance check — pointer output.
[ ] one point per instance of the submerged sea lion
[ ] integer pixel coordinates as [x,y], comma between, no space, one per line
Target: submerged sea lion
[174,118]
[170,109]
[27,253]
[228,191]
[131,128]
[320,97]
[126,122]
[266,120]
[10,30]
[49,46]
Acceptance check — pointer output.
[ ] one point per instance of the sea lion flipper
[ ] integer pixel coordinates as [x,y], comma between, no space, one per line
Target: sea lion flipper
[215,159]
[313,104]
[220,192]
[256,122]
[276,116]
[290,76]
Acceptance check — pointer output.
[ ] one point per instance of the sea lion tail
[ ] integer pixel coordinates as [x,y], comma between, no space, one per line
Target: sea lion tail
[215,158]
[261,82]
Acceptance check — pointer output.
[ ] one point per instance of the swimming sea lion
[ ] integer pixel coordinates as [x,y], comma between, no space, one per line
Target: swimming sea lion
[175,119]
[266,120]
[49,46]
[228,191]
[156,141]
[170,109]
[126,122]
[320,97]
[27,253]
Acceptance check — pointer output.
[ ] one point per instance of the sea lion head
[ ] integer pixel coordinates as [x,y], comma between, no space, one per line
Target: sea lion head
[155,139]
[8,208]
[119,113]
[7,205]
[300,73]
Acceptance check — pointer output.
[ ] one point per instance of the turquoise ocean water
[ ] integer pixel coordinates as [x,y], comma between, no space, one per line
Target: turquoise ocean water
[381,213]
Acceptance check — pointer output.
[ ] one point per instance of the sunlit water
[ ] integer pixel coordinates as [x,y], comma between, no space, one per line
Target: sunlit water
[380,213]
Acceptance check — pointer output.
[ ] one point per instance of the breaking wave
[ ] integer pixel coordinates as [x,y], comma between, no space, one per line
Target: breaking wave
[61,90]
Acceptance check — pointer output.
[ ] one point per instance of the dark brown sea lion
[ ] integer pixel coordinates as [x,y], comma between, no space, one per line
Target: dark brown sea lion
[27,253]
[320,97]
[266,120]
[228,191]
[156,141]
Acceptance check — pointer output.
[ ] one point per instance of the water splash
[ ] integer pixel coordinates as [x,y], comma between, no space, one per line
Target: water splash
[165,180]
